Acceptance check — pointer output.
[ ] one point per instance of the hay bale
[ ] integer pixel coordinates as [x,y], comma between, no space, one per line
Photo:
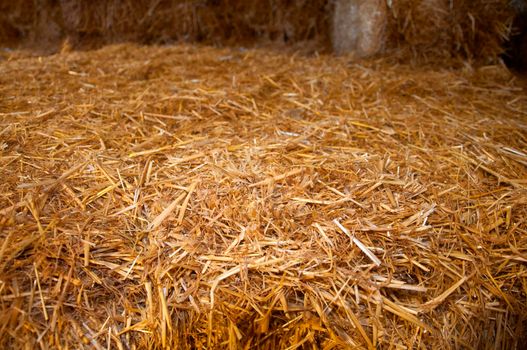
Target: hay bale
[439,30]
[93,24]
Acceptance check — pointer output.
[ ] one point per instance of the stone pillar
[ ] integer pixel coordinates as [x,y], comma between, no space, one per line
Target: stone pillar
[359,27]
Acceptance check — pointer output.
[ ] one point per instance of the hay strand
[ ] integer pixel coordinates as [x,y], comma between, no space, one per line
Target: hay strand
[358,243]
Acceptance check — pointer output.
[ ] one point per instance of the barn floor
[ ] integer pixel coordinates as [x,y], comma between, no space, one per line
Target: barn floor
[191,197]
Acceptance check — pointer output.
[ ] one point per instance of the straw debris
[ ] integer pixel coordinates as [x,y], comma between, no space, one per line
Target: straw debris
[195,197]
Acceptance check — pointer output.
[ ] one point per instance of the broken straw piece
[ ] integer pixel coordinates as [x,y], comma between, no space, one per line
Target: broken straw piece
[359,244]
[165,213]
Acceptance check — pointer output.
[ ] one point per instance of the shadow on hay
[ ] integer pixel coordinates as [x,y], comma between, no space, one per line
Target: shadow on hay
[515,55]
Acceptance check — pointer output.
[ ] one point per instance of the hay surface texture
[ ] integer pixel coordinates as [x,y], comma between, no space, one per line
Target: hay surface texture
[191,197]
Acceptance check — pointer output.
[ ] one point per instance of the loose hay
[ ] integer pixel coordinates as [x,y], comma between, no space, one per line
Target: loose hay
[185,197]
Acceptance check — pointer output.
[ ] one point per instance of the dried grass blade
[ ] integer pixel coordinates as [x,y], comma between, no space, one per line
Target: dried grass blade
[359,244]
[165,213]
[435,302]
[277,178]
[185,203]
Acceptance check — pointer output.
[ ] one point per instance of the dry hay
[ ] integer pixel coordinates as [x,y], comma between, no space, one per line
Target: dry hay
[441,29]
[191,197]
[88,24]
[425,30]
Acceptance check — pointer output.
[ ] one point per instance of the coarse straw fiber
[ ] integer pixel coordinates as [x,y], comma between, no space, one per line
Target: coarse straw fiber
[191,197]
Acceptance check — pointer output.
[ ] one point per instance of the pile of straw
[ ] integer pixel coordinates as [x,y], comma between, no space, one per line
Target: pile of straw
[192,197]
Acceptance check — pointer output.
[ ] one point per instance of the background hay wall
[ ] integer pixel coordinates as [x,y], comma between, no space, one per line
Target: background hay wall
[89,24]
[429,29]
